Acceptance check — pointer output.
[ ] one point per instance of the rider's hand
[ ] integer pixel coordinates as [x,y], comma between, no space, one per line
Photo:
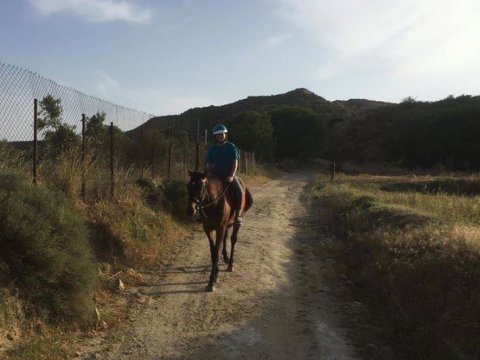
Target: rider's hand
[230,179]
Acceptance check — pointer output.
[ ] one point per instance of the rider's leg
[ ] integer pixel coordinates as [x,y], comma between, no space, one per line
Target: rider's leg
[237,191]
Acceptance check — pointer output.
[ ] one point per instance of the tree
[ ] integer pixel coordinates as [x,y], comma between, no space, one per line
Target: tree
[98,140]
[96,133]
[253,132]
[298,132]
[50,114]
[59,136]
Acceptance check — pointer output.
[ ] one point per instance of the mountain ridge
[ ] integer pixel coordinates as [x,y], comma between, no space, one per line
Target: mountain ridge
[300,97]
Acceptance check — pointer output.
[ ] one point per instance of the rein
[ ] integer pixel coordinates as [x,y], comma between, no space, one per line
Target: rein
[199,202]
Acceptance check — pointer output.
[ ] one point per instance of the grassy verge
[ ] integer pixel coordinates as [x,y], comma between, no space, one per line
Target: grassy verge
[122,236]
[414,258]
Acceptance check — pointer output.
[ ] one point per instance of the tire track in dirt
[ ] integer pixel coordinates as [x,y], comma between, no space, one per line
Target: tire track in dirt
[275,305]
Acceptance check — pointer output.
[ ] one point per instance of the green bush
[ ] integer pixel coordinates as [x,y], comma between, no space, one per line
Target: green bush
[175,196]
[45,246]
[151,191]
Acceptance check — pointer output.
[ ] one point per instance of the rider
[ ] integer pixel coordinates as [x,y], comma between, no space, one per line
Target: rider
[222,161]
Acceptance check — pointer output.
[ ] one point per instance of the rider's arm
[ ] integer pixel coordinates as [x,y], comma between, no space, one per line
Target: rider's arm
[235,162]
[234,168]
[233,171]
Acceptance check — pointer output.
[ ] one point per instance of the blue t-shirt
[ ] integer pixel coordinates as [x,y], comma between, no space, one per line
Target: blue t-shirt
[222,157]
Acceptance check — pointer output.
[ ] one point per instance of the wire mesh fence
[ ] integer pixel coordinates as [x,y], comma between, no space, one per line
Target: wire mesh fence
[19,87]
[79,143]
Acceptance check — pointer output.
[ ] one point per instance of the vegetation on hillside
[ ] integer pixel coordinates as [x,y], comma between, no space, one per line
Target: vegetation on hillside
[413,254]
[413,134]
[45,248]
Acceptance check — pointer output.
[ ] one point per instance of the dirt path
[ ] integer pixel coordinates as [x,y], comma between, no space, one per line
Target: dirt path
[274,306]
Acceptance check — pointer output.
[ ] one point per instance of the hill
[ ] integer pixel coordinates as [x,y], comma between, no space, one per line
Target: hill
[211,115]
[412,134]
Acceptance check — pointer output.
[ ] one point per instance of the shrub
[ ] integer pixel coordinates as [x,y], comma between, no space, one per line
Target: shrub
[175,196]
[11,158]
[45,246]
[151,191]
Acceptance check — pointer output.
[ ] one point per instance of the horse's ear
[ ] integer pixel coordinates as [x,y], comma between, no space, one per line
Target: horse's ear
[189,171]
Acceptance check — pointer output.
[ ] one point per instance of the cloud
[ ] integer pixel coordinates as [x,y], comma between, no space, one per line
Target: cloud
[410,40]
[95,10]
[165,102]
[155,101]
[104,83]
[277,40]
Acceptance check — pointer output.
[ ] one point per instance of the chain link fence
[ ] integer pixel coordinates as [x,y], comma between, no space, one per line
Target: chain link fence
[19,87]
[79,143]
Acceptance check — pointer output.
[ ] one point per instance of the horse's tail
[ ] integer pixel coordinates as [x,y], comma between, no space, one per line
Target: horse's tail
[249,199]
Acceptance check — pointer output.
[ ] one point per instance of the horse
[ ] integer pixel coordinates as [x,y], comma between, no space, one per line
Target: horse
[211,197]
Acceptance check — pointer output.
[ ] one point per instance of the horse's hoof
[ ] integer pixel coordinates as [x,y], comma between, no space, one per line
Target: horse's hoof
[226,260]
[230,268]
[210,288]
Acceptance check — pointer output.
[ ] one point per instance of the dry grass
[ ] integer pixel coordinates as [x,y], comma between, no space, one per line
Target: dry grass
[415,258]
[128,233]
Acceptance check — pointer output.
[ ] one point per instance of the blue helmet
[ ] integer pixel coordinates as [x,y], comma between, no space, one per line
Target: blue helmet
[219,129]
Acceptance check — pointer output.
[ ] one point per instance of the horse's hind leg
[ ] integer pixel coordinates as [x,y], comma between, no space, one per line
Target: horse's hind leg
[224,251]
[234,241]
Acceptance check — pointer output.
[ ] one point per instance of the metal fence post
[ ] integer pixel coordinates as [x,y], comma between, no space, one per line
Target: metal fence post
[153,156]
[83,155]
[170,153]
[184,166]
[242,161]
[205,148]
[35,128]
[112,167]
[142,155]
[197,149]
[332,170]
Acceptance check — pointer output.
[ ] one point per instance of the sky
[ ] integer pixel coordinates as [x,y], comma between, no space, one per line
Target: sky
[166,56]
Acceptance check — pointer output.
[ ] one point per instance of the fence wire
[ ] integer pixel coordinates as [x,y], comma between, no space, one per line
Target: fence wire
[19,87]
[94,161]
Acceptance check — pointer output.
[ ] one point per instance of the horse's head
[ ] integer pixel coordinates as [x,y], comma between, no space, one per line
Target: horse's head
[195,191]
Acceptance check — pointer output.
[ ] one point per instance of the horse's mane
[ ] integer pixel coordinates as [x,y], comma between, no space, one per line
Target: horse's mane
[216,186]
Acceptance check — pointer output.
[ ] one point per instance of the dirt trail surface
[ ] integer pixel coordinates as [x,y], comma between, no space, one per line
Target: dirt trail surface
[275,304]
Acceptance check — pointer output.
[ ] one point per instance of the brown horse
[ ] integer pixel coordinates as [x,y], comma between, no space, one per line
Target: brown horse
[211,197]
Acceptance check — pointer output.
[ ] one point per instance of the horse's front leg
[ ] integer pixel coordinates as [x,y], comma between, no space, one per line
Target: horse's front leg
[224,251]
[218,242]
[211,242]
[215,250]
[234,241]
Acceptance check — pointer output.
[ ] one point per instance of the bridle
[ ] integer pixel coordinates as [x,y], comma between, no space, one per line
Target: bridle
[199,203]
